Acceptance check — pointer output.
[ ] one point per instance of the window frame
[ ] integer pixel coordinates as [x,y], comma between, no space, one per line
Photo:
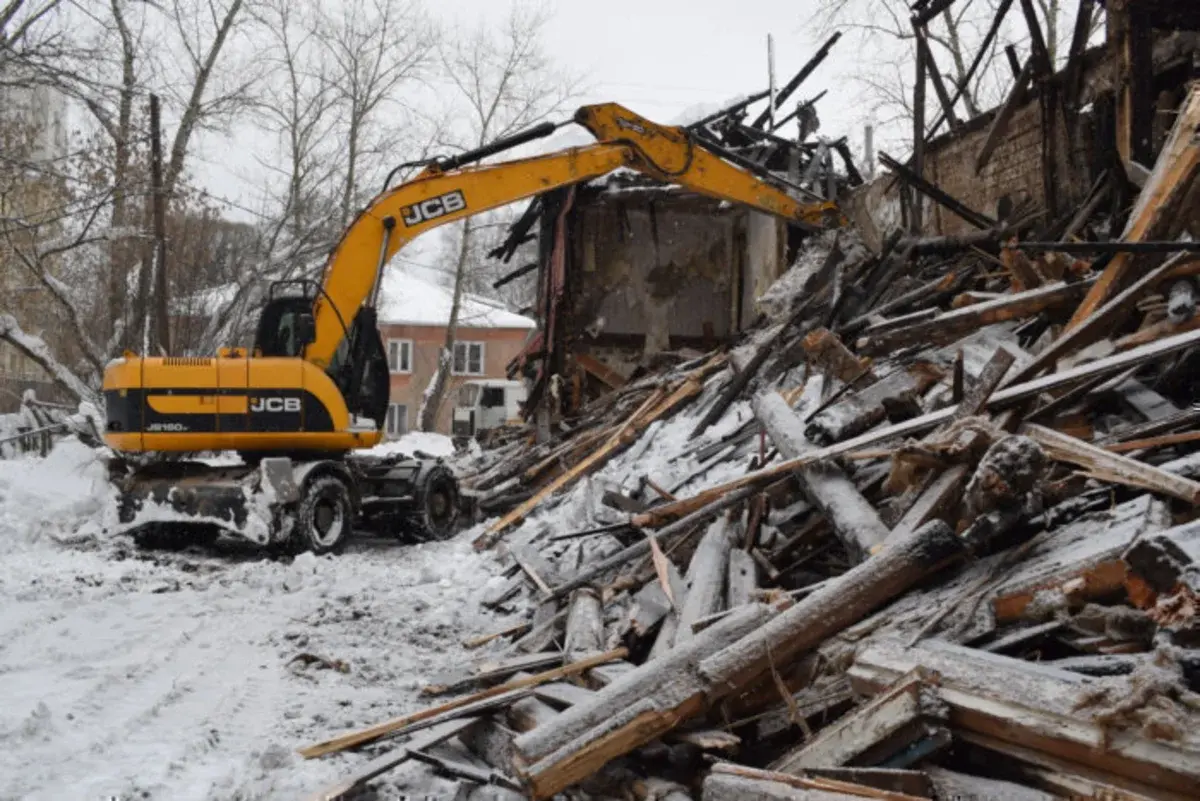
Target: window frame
[400,344]
[389,423]
[467,344]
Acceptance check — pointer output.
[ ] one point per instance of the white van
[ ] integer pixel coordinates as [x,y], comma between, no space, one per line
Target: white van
[487,404]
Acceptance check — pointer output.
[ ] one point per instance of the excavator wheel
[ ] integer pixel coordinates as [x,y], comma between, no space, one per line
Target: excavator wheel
[324,516]
[435,504]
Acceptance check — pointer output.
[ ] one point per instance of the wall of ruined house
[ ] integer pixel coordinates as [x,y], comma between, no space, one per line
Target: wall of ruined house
[652,271]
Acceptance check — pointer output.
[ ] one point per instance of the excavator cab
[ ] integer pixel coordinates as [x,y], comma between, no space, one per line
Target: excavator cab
[286,326]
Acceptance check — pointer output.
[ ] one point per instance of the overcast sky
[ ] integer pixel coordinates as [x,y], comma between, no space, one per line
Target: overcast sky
[657,57]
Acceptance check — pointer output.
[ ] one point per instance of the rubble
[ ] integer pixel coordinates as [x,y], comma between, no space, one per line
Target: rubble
[927,530]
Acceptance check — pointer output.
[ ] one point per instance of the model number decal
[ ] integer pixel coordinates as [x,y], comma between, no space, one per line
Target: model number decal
[176,427]
[433,208]
[275,405]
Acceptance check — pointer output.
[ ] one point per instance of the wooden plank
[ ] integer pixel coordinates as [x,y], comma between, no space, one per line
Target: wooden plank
[625,435]
[952,325]
[1111,467]
[512,690]
[963,787]
[489,670]
[743,578]
[732,491]
[1015,98]
[1031,706]
[810,788]
[912,782]
[909,701]
[384,762]
[600,370]
[585,625]
[720,661]
[1155,210]
[1099,325]
[1167,559]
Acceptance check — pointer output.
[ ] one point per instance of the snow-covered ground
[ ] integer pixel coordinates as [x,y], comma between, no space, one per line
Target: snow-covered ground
[153,675]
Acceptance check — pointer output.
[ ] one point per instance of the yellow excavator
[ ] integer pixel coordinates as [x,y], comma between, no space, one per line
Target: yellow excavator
[314,387]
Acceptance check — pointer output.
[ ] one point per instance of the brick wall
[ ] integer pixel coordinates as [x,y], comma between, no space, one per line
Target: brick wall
[500,346]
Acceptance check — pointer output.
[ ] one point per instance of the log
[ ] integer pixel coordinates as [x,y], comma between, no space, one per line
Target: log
[952,325]
[880,731]
[743,579]
[721,660]
[894,397]
[1112,467]
[1035,707]
[705,578]
[827,487]
[508,692]
[585,625]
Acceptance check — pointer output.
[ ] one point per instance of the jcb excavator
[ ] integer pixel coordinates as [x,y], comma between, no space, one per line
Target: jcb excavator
[314,387]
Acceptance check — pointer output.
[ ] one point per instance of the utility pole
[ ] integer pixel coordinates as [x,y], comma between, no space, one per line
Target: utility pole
[161,319]
[771,80]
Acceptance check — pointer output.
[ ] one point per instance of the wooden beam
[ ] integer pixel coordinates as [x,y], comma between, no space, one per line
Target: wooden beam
[935,76]
[827,487]
[512,690]
[938,195]
[656,697]
[1156,209]
[1004,116]
[949,326]
[1112,467]
[706,577]
[732,782]
[1099,325]
[916,221]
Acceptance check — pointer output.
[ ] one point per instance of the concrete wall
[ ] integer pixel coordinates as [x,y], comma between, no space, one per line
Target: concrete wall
[500,346]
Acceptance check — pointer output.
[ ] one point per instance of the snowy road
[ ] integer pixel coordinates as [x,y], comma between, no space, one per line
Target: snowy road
[171,676]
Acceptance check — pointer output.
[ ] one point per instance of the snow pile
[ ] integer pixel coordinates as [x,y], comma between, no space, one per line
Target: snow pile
[65,496]
[424,441]
[801,276]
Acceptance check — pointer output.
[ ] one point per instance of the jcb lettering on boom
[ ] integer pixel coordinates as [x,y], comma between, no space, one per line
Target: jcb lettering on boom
[433,208]
[275,405]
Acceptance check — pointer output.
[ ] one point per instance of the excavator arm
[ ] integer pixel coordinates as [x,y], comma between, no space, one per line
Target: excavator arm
[441,195]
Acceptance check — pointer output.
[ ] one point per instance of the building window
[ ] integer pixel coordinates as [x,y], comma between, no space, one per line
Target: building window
[399,355]
[397,420]
[468,358]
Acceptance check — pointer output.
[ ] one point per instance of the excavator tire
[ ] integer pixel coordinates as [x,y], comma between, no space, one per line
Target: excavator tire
[435,504]
[324,516]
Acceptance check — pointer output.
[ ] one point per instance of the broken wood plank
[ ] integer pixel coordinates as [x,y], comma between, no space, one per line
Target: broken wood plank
[512,690]
[381,764]
[753,782]
[964,787]
[936,194]
[626,433]
[600,370]
[827,487]
[894,397]
[1031,706]
[719,661]
[1111,467]
[732,491]
[1081,559]
[543,629]
[912,782]
[1168,559]
[1156,207]
[952,325]
[889,719]
[1099,325]
[489,670]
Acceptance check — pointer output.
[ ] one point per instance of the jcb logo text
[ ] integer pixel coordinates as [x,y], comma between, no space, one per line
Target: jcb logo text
[433,208]
[275,405]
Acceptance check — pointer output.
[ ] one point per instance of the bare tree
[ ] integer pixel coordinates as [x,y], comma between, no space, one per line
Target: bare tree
[377,48]
[885,41]
[503,82]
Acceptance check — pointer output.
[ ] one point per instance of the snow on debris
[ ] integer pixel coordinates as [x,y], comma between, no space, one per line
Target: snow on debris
[413,442]
[407,298]
[184,675]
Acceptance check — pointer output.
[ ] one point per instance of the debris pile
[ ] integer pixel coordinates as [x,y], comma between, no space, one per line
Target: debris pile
[929,531]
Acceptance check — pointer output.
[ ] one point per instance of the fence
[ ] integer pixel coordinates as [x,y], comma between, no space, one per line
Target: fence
[35,427]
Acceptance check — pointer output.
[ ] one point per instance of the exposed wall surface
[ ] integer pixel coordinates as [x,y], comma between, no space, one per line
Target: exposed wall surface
[657,271]
[500,346]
